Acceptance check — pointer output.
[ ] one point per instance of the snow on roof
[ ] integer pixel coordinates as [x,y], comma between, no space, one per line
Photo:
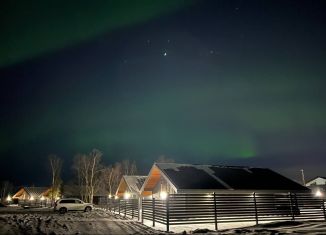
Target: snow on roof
[135,182]
[211,177]
[36,191]
[318,180]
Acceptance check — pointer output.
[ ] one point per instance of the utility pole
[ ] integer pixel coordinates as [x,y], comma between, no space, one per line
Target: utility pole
[303,180]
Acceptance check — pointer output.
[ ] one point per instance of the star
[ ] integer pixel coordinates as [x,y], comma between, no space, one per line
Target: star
[165,54]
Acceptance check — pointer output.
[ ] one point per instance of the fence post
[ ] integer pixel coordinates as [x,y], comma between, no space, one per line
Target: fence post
[119,206]
[132,208]
[215,212]
[142,211]
[126,207]
[291,206]
[323,201]
[168,213]
[256,211]
[153,208]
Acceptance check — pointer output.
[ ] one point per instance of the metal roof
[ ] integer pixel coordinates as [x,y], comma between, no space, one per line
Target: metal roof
[214,177]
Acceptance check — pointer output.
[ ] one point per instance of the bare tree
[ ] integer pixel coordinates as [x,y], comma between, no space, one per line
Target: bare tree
[89,173]
[129,168]
[164,159]
[56,165]
[5,189]
[112,176]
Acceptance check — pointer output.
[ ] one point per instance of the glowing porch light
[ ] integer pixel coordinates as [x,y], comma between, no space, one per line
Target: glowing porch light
[31,198]
[110,195]
[318,193]
[126,195]
[163,195]
[9,198]
[42,198]
[116,197]
[57,198]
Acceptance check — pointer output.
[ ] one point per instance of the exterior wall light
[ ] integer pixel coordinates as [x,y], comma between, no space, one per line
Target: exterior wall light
[9,198]
[31,198]
[116,197]
[126,195]
[163,195]
[42,198]
[318,193]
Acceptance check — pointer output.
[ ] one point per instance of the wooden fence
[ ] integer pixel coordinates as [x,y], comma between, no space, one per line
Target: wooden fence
[181,209]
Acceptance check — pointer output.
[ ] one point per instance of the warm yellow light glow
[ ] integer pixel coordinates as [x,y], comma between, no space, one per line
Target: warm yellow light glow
[57,198]
[31,198]
[110,195]
[42,198]
[318,193]
[126,195]
[116,197]
[9,198]
[163,195]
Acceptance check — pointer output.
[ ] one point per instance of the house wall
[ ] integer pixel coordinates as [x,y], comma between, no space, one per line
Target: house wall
[162,185]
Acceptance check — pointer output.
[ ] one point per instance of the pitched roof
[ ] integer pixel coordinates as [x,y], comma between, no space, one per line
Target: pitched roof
[212,177]
[314,179]
[134,182]
[35,192]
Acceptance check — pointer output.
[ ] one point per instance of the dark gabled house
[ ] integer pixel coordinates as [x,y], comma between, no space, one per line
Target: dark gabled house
[189,178]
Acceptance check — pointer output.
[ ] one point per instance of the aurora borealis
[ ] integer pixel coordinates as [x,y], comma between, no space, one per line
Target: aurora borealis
[242,83]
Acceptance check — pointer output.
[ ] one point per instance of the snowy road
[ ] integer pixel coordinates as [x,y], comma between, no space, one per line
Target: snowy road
[102,222]
[96,222]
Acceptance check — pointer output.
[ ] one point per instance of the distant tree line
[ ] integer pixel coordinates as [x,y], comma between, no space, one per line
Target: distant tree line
[91,176]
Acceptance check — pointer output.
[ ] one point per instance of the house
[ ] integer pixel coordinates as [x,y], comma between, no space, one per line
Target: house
[130,185]
[32,193]
[317,185]
[173,178]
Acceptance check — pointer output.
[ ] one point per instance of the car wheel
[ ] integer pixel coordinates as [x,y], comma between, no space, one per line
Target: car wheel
[88,209]
[62,210]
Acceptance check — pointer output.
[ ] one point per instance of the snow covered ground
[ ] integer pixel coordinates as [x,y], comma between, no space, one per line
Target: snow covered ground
[268,228]
[45,221]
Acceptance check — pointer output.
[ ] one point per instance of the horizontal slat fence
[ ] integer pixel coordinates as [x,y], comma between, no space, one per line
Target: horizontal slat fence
[34,203]
[126,207]
[180,209]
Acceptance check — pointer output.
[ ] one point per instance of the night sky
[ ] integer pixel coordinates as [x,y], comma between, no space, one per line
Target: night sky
[222,82]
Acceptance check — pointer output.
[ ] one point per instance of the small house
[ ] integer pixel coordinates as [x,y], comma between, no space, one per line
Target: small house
[32,193]
[317,185]
[130,186]
[173,178]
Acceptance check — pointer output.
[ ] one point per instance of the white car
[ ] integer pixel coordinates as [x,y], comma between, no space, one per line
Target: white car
[72,204]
